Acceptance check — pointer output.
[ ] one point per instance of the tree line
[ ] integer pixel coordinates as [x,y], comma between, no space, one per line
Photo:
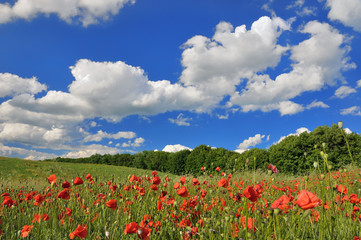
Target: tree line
[294,154]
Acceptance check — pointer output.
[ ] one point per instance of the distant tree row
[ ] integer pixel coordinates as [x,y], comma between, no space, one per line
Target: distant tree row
[294,154]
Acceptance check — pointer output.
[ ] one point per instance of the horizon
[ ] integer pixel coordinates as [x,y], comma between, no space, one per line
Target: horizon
[123,76]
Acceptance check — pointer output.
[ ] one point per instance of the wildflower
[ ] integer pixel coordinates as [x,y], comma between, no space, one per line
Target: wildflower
[80,231]
[64,194]
[38,217]
[182,180]
[52,179]
[26,230]
[281,203]
[176,185]
[218,169]
[65,184]
[131,228]
[307,200]
[223,183]
[78,181]
[183,192]
[251,194]
[112,204]
[202,168]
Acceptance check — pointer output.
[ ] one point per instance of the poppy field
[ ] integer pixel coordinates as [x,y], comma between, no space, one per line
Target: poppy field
[215,205]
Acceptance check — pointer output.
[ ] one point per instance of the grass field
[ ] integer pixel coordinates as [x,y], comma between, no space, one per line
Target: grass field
[107,204]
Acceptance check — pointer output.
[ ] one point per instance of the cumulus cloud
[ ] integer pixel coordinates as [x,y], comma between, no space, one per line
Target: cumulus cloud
[355,110]
[136,143]
[358,83]
[100,135]
[250,142]
[12,85]
[216,66]
[175,148]
[344,91]
[297,133]
[318,104]
[21,152]
[180,120]
[85,11]
[88,150]
[346,11]
[318,61]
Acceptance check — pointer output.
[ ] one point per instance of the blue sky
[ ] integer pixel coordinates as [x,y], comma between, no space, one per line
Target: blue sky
[113,76]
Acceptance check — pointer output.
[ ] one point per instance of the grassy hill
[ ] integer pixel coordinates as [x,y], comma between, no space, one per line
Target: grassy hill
[15,171]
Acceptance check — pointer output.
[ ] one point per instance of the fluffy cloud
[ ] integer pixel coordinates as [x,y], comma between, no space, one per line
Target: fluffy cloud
[20,152]
[175,148]
[355,110]
[250,142]
[12,85]
[318,61]
[100,135]
[136,143]
[318,104]
[358,83]
[180,120]
[88,150]
[85,11]
[297,133]
[216,66]
[346,11]
[344,91]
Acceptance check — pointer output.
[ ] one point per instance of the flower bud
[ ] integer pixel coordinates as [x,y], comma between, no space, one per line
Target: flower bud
[340,124]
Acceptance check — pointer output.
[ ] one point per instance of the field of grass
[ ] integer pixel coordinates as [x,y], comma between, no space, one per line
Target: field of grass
[107,204]
[14,172]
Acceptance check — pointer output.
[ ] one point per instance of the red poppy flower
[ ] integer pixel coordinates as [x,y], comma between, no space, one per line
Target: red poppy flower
[89,177]
[78,181]
[7,201]
[218,169]
[131,228]
[176,185]
[26,231]
[182,180]
[195,181]
[144,233]
[112,204]
[183,192]
[65,184]
[156,180]
[251,194]
[223,183]
[80,231]
[64,194]
[202,168]
[307,200]
[52,179]
[38,217]
[281,203]
[353,198]
[342,189]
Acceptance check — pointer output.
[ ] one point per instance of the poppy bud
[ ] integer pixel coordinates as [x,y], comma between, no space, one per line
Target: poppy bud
[340,124]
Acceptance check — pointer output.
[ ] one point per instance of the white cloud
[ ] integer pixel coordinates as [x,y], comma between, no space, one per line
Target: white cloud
[297,133]
[180,120]
[21,152]
[250,142]
[318,61]
[175,148]
[100,135]
[216,66]
[85,11]
[307,11]
[344,91]
[136,143]
[93,124]
[88,150]
[358,83]
[12,85]
[347,131]
[346,11]
[355,110]
[318,104]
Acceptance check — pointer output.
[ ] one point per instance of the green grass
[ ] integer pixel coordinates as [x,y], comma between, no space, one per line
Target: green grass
[15,171]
